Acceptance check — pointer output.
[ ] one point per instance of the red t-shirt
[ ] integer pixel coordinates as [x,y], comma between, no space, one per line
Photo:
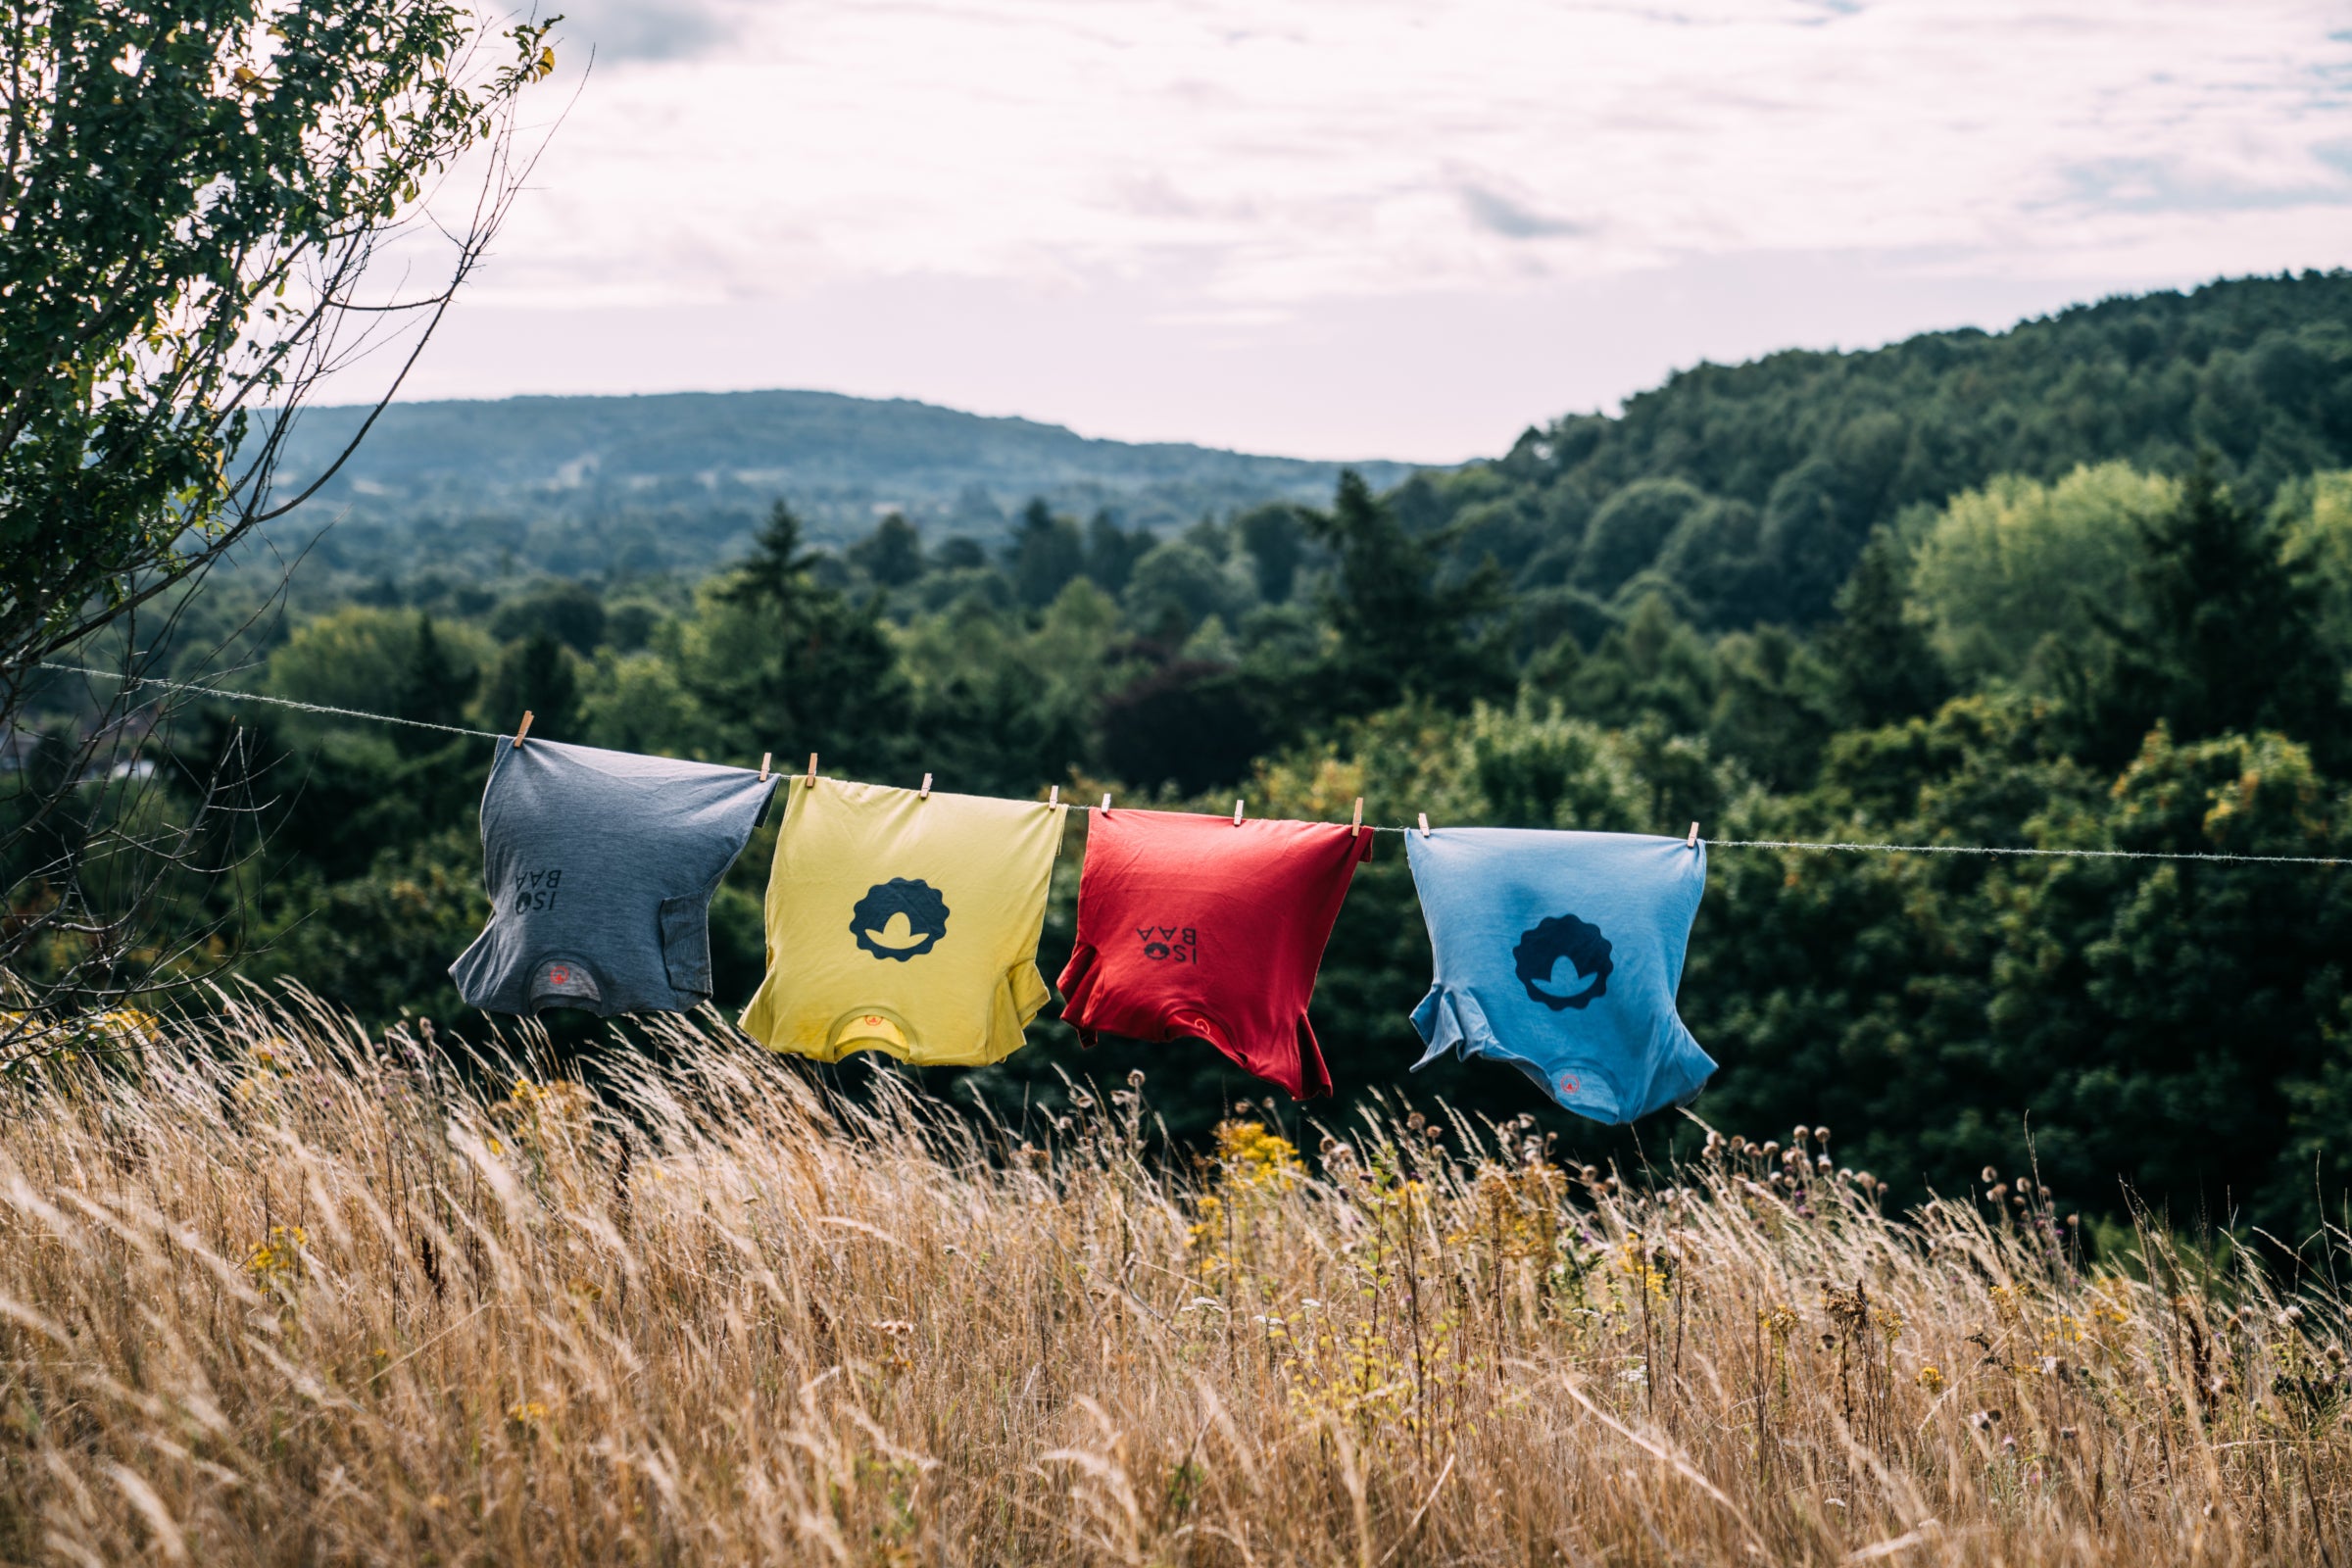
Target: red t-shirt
[1191,926]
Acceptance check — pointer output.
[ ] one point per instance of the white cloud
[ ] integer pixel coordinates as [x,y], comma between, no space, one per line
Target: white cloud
[1273,150]
[1229,166]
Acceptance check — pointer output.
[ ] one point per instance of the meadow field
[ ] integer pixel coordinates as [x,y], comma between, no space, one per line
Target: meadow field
[273,1290]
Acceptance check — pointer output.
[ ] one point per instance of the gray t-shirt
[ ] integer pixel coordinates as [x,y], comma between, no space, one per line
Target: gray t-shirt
[601,866]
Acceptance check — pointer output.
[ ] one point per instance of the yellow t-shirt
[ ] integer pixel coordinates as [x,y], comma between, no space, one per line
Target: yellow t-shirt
[903,923]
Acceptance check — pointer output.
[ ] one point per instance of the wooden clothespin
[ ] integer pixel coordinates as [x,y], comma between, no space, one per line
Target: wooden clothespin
[924,793]
[1424,815]
[766,757]
[813,770]
[1106,801]
[1054,796]
[1237,813]
[1358,825]
[1692,843]
[522,729]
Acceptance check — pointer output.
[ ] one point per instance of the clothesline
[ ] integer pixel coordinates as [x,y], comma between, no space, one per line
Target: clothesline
[1826,847]
[133,682]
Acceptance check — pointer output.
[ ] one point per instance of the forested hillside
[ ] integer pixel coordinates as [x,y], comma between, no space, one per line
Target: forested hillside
[1743,493]
[2085,584]
[603,486]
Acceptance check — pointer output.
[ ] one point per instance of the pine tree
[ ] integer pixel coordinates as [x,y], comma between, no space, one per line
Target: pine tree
[1276,543]
[2224,639]
[777,573]
[831,682]
[1046,553]
[431,690]
[1111,551]
[892,554]
[1402,630]
[537,673]
[1880,668]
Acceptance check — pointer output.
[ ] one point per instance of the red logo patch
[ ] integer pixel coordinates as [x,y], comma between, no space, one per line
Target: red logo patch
[1567,1082]
[558,975]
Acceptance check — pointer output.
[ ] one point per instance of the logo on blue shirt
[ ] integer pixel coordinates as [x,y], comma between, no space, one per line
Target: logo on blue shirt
[1552,939]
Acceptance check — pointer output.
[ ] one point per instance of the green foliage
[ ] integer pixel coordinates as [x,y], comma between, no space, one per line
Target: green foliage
[1809,452]
[892,556]
[1276,540]
[777,661]
[567,613]
[1630,529]
[2316,517]
[2223,634]
[1046,553]
[679,482]
[2125,1022]
[1875,656]
[379,944]
[1176,586]
[1652,665]
[540,676]
[1402,629]
[187,186]
[2089,657]
[2007,577]
[433,687]
[357,655]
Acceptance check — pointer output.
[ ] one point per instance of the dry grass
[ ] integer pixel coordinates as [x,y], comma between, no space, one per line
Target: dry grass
[282,1297]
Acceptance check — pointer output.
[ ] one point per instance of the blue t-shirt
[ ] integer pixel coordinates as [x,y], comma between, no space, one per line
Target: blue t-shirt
[1560,954]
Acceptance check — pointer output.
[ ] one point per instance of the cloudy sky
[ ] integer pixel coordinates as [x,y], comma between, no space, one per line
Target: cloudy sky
[1374,229]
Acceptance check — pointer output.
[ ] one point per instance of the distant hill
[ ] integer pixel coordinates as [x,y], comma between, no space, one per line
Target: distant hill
[580,485]
[1743,493]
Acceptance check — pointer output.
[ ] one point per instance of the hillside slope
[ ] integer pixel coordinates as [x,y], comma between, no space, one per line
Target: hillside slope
[676,481]
[1744,492]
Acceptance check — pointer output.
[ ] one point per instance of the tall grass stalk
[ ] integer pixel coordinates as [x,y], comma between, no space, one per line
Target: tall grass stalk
[277,1293]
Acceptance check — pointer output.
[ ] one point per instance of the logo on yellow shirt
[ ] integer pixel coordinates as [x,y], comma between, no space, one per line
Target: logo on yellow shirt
[902,918]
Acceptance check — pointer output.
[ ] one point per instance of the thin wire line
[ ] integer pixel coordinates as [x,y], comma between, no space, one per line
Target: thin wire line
[1987,849]
[133,682]
[1832,847]
[1818,847]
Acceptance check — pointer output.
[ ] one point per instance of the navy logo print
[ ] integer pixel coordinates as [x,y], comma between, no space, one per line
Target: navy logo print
[901,918]
[1557,937]
[1181,943]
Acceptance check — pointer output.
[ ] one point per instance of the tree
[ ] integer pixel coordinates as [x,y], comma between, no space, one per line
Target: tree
[2004,574]
[538,674]
[570,612]
[1187,723]
[2314,517]
[1111,551]
[1880,668]
[1403,631]
[1175,587]
[892,556]
[193,194]
[1630,529]
[790,664]
[1046,553]
[2224,637]
[433,689]
[1653,664]
[1276,543]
